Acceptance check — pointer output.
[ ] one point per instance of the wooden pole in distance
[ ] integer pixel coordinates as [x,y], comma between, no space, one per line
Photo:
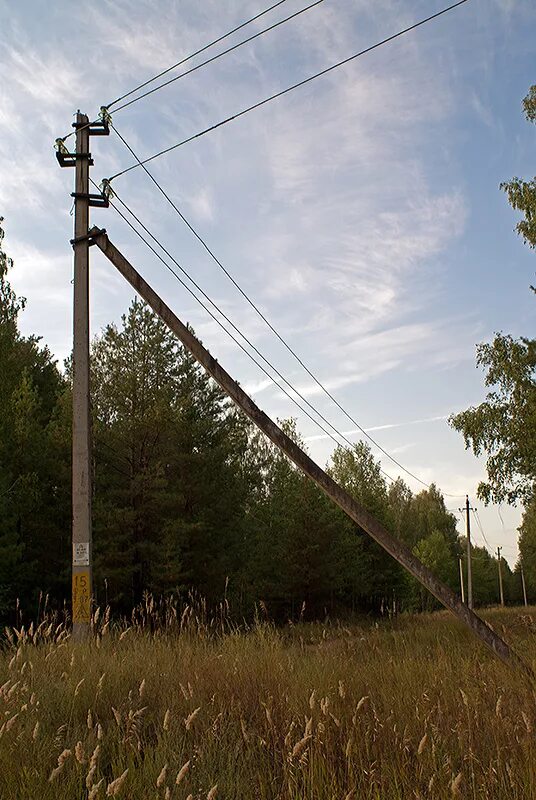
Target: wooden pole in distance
[469,562]
[500,575]
[523,585]
[351,507]
[81,453]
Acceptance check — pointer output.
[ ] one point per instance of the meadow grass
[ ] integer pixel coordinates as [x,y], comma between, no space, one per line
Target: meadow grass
[411,708]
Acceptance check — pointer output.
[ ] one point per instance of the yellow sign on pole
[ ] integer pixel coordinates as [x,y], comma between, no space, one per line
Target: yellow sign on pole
[81,596]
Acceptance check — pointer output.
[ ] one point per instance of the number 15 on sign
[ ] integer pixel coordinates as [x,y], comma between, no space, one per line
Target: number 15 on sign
[81,597]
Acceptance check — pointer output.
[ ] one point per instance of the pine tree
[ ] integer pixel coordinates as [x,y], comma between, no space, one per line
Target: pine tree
[32,526]
[169,494]
[376,578]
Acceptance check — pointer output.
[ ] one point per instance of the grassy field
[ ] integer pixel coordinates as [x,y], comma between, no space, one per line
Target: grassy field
[409,709]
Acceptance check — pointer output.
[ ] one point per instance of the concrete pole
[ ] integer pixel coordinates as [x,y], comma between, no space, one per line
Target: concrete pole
[81,454]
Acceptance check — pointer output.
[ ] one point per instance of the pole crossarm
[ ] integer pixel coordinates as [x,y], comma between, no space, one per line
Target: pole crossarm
[351,507]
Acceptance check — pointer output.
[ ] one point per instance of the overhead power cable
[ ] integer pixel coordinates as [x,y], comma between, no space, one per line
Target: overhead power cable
[196,53]
[215,58]
[477,517]
[491,545]
[292,88]
[188,58]
[231,335]
[267,322]
[235,328]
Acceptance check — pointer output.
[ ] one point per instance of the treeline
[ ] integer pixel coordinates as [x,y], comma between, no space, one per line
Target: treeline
[189,496]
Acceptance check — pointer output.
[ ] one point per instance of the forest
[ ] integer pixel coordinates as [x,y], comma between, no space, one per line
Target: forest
[189,497]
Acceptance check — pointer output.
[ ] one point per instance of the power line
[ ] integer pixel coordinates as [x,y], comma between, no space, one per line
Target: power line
[258,311]
[490,545]
[196,53]
[184,60]
[215,58]
[477,517]
[251,357]
[238,331]
[350,445]
[291,88]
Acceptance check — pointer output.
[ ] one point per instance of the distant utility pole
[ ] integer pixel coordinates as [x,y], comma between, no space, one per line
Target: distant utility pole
[82,577]
[500,575]
[469,565]
[461,579]
[523,584]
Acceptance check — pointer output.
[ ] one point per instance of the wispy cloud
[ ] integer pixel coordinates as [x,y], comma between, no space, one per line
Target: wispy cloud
[202,205]
[384,427]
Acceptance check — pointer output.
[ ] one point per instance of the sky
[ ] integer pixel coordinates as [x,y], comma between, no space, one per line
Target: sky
[361,212]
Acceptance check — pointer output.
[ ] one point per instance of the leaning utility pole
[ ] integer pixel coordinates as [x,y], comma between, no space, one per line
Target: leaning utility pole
[500,575]
[325,482]
[461,579]
[82,577]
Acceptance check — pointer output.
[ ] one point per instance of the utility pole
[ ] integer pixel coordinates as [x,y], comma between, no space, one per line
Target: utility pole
[523,584]
[469,565]
[82,577]
[82,569]
[500,575]
[461,579]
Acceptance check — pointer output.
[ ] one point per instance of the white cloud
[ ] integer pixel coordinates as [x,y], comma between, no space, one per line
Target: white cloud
[383,427]
[202,205]
[27,181]
[49,79]
[258,386]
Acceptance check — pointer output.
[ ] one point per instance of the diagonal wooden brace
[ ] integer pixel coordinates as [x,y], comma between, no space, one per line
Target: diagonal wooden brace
[351,507]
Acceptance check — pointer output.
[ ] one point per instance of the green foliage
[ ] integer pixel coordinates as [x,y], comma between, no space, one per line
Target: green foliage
[435,553]
[428,514]
[10,304]
[504,426]
[522,194]
[294,545]
[376,578]
[527,547]
[485,576]
[529,104]
[33,518]
[169,497]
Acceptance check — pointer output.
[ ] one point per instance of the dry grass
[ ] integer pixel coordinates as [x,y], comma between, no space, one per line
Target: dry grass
[408,710]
